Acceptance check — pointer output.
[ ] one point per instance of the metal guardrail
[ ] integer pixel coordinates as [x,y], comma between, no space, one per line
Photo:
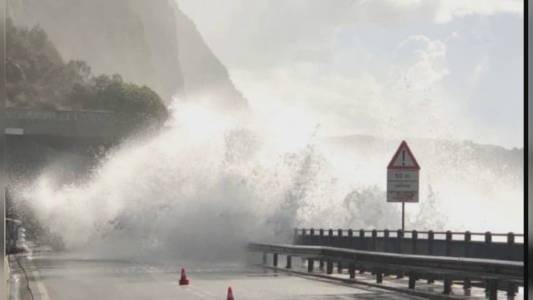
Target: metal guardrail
[409,233]
[495,274]
[101,124]
[470,244]
[58,115]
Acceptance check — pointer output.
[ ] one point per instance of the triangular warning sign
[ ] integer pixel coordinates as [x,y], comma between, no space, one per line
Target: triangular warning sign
[403,159]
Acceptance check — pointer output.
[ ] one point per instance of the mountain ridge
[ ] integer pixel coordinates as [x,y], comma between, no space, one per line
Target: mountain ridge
[149,43]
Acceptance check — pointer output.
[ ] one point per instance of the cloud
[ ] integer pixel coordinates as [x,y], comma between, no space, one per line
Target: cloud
[382,102]
[439,11]
[358,66]
[450,9]
[276,31]
[429,63]
[479,70]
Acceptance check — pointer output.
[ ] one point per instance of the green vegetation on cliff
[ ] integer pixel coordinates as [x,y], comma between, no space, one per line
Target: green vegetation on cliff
[38,78]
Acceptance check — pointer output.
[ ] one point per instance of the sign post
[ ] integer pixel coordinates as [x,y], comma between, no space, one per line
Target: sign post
[402,178]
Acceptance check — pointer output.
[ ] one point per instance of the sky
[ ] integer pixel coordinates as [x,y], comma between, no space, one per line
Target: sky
[392,68]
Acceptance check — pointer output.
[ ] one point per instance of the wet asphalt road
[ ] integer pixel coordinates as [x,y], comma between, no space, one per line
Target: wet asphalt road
[63,276]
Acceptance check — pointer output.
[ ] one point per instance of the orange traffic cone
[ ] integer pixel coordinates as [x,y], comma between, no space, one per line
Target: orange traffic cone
[230,294]
[183,280]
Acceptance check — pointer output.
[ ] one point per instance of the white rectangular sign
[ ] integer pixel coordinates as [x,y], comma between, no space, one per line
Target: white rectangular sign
[402,185]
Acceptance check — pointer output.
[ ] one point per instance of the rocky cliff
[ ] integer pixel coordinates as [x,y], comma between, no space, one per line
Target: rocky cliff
[147,42]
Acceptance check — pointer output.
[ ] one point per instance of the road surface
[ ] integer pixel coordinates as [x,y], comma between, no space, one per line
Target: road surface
[63,276]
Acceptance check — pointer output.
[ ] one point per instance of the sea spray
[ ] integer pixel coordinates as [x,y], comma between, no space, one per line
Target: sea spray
[201,187]
[207,183]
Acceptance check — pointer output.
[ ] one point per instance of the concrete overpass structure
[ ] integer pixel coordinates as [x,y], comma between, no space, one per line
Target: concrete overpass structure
[68,124]
[37,139]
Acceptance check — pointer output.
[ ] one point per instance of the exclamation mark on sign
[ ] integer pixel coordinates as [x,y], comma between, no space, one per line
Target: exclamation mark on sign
[403,158]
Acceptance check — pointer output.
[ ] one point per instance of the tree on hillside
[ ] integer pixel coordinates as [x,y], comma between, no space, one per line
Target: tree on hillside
[112,93]
[37,78]
[31,61]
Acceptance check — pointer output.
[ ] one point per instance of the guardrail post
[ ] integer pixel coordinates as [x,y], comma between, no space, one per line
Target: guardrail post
[511,290]
[295,238]
[399,240]
[414,238]
[330,237]
[448,243]
[412,280]
[491,289]
[399,235]
[447,285]
[510,238]
[329,267]
[510,244]
[362,244]
[350,238]
[488,240]
[339,267]
[351,270]
[467,286]
[322,242]
[488,237]
[431,244]
[468,239]
[289,262]
[374,239]
[339,237]
[379,277]
[310,265]
[385,240]
[275,259]
[311,240]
